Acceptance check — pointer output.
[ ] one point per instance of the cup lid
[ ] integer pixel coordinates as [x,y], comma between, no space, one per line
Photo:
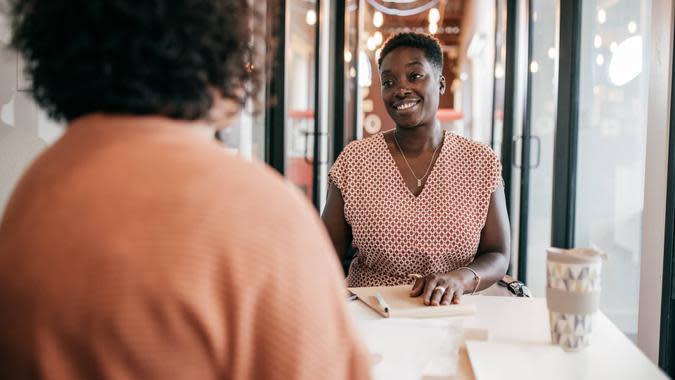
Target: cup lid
[575,255]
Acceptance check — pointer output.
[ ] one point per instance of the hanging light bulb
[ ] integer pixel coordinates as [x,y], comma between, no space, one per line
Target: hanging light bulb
[310,18]
[602,16]
[378,38]
[378,19]
[434,16]
[632,27]
[534,66]
[552,53]
[348,56]
[613,46]
[371,43]
[597,41]
[433,28]
[600,59]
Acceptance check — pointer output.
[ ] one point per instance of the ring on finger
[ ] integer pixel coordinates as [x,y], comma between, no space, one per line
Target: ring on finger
[440,288]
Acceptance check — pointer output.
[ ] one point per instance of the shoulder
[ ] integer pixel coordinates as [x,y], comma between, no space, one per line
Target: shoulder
[473,150]
[364,146]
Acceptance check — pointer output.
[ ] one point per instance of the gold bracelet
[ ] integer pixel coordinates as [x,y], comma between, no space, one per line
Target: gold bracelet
[476,277]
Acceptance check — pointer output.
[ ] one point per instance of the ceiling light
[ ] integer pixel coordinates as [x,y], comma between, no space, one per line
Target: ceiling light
[632,27]
[626,62]
[371,43]
[378,19]
[377,37]
[310,18]
[434,16]
[602,16]
[597,41]
[600,59]
[613,46]
[499,71]
[552,53]
[433,28]
[534,67]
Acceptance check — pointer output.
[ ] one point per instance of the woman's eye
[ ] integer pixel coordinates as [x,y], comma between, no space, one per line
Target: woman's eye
[415,76]
[386,83]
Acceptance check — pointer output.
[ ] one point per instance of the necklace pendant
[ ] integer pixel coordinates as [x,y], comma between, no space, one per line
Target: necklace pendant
[419,183]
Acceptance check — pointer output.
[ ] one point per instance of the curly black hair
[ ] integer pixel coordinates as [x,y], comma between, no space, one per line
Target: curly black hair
[136,57]
[428,44]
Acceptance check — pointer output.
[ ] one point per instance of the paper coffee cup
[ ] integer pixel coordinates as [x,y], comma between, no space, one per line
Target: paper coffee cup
[572,294]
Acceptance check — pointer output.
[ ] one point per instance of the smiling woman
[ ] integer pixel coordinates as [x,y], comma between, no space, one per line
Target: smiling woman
[417,202]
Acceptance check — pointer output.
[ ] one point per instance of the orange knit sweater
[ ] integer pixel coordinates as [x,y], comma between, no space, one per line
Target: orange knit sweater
[137,247]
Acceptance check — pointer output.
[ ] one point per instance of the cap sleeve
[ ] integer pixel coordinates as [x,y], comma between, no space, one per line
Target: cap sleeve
[493,170]
[492,167]
[339,172]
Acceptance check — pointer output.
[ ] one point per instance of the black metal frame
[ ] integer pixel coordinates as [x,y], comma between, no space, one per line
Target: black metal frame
[274,92]
[317,106]
[567,126]
[509,93]
[494,80]
[338,135]
[667,339]
[525,157]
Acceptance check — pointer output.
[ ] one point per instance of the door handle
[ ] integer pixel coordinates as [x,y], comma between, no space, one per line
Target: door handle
[521,138]
[306,157]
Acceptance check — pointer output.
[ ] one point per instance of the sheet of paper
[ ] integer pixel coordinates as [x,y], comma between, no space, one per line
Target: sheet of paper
[401,305]
[412,348]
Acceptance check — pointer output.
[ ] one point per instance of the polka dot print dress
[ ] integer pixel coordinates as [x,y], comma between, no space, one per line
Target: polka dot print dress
[396,233]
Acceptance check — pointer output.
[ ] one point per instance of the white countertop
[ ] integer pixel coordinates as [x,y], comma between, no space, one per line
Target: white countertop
[518,335]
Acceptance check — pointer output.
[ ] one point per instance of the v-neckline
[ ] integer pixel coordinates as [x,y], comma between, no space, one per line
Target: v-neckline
[395,167]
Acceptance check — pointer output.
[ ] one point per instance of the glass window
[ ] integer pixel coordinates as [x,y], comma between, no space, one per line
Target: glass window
[300,96]
[543,69]
[611,160]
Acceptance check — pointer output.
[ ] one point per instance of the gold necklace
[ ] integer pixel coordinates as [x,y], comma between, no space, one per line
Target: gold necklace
[419,180]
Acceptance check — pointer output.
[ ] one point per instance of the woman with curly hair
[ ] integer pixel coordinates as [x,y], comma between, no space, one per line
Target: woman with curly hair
[136,246]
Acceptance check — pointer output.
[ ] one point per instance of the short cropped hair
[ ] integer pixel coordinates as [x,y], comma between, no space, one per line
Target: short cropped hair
[428,44]
[160,57]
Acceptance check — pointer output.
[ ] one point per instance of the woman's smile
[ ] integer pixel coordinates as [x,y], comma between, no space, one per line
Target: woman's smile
[406,106]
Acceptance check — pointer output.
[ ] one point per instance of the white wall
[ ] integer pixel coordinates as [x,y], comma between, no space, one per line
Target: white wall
[24,129]
[656,174]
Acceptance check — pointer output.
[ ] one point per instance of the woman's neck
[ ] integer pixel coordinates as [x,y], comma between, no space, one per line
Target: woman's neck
[418,139]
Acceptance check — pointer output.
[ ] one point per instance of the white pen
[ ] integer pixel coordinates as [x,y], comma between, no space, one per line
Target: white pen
[380,300]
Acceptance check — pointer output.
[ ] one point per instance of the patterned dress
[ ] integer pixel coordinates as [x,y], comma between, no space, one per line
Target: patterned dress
[396,233]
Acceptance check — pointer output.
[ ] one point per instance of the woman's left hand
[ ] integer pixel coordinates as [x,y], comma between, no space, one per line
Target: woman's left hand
[439,288]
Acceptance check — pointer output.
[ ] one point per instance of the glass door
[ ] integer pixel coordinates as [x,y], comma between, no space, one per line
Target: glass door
[613,94]
[535,210]
[300,93]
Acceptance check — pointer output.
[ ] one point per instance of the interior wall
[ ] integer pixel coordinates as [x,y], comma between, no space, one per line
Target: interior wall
[656,174]
[24,129]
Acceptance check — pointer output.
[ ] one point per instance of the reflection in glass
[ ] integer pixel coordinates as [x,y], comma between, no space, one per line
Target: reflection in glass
[612,138]
[300,96]
[543,103]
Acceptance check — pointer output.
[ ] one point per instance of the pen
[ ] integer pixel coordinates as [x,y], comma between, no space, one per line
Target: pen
[351,296]
[380,301]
